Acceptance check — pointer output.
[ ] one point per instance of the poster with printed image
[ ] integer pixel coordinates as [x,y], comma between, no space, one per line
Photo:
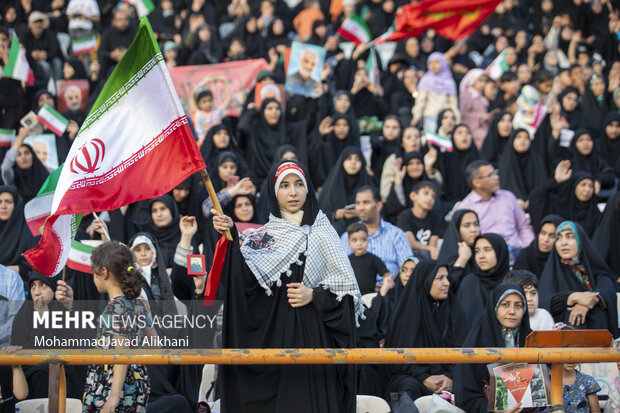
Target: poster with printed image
[44,147]
[303,76]
[514,383]
[265,90]
[72,94]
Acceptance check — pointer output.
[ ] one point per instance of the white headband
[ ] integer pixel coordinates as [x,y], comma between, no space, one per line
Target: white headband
[289,168]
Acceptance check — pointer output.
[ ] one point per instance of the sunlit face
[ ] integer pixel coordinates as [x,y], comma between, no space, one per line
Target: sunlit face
[40,291]
[447,122]
[366,207]
[566,244]
[307,63]
[487,179]
[441,285]
[531,296]
[434,65]
[226,170]
[221,139]
[406,270]
[546,237]
[485,255]
[425,197]
[462,138]
[143,255]
[612,130]
[7,205]
[358,241]
[160,214]
[521,142]
[391,129]
[292,193]
[504,126]
[584,190]
[510,311]
[272,113]
[244,210]
[179,194]
[415,168]
[352,164]
[469,228]
[24,158]
[570,101]
[341,129]
[584,144]
[411,140]
[342,103]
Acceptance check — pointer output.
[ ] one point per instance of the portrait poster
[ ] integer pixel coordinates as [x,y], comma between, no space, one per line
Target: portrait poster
[196,264]
[303,74]
[269,90]
[514,383]
[72,94]
[44,147]
[240,78]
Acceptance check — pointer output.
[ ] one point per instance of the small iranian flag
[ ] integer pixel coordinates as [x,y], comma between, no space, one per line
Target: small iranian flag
[372,68]
[355,29]
[52,119]
[135,144]
[498,66]
[441,142]
[143,7]
[84,45]
[6,137]
[17,67]
[385,37]
[39,208]
[79,257]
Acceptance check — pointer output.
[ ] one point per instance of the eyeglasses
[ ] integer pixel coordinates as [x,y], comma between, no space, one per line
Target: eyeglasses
[495,172]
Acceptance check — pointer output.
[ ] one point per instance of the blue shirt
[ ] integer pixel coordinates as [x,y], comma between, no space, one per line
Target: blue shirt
[11,289]
[389,243]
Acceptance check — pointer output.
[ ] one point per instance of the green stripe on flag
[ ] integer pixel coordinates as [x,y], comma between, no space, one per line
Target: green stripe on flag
[149,5]
[49,186]
[7,131]
[55,113]
[361,23]
[82,247]
[140,52]
[13,54]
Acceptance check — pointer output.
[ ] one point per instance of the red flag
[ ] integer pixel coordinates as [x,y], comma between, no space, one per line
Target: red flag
[453,19]
[213,279]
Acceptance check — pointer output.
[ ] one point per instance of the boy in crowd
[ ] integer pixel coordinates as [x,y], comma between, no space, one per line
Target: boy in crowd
[365,265]
[422,226]
[540,319]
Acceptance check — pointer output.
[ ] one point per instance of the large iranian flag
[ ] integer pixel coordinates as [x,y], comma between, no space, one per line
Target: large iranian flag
[135,144]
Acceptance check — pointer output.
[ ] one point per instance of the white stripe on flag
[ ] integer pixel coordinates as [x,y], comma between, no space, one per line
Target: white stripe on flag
[55,121]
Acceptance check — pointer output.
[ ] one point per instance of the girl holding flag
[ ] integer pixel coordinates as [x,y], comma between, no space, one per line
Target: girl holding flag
[290,285]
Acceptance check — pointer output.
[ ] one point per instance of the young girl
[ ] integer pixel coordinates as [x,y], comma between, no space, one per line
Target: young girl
[579,391]
[118,388]
[613,404]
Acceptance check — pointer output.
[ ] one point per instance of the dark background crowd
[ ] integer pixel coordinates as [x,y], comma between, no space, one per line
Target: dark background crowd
[534,164]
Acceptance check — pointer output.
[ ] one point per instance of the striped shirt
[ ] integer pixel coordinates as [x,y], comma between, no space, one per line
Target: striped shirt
[389,243]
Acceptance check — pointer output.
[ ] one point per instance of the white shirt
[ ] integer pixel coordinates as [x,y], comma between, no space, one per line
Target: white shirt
[541,320]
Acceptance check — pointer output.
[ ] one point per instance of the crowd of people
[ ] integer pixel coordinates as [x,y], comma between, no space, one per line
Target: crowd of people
[512,226]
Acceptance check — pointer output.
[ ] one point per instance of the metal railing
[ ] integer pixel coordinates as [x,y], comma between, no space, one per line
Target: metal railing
[58,358]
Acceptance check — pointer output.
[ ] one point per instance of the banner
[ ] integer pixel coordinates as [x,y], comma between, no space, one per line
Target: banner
[72,94]
[240,78]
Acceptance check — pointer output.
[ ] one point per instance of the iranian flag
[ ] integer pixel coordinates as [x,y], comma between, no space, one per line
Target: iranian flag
[354,29]
[53,120]
[372,68]
[135,144]
[84,45]
[39,208]
[6,137]
[79,257]
[17,67]
[498,66]
[441,142]
[143,7]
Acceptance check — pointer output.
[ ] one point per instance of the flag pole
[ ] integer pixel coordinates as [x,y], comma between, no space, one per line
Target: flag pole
[216,204]
[64,272]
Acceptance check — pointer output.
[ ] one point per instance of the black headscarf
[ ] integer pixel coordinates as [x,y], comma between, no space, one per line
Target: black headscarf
[469,379]
[576,118]
[449,251]
[185,206]
[78,67]
[610,148]
[311,207]
[594,109]
[559,279]
[520,172]
[160,287]
[230,209]
[586,213]
[607,236]
[15,236]
[339,187]
[475,287]
[209,151]
[29,181]
[531,258]
[494,144]
[263,203]
[223,157]
[335,146]
[592,164]
[265,139]
[169,236]
[453,165]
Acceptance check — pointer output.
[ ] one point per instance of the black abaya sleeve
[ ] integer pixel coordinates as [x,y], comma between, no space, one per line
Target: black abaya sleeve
[469,387]
[182,284]
[337,316]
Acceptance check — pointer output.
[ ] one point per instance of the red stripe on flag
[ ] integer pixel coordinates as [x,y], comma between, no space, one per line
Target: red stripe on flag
[158,172]
[79,267]
[42,258]
[213,279]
